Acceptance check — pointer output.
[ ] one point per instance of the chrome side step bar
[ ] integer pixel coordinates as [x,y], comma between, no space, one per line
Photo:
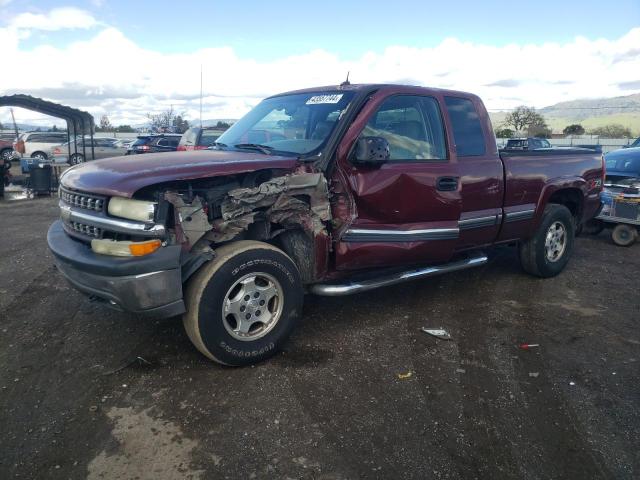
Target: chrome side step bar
[337,290]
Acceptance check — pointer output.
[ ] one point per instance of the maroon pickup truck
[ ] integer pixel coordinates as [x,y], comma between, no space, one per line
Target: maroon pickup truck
[355,187]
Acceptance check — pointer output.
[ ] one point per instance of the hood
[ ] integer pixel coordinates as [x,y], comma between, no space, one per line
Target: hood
[626,153]
[123,176]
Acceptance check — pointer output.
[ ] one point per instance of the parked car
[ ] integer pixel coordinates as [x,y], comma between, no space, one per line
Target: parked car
[6,149]
[623,163]
[153,143]
[634,144]
[535,143]
[196,138]
[38,144]
[531,143]
[360,187]
[103,147]
[125,142]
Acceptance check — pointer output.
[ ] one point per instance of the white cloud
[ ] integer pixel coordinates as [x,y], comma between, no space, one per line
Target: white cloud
[56,19]
[110,74]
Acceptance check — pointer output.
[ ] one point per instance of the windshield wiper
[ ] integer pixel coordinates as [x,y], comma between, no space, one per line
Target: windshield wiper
[217,144]
[267,150]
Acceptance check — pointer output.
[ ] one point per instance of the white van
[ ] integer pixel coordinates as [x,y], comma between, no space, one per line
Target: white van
[38,144]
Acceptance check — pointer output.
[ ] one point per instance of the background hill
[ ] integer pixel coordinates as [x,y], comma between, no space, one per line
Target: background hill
[590,113]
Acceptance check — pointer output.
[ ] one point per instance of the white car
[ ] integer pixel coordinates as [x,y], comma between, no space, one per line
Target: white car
[38,144]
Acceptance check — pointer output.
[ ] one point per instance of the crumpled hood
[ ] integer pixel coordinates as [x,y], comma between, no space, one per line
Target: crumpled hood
[123,176]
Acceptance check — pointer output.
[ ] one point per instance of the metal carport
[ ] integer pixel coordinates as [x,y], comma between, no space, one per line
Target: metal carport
[81,122]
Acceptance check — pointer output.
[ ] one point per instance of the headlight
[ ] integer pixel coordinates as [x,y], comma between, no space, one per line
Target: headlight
[132,209]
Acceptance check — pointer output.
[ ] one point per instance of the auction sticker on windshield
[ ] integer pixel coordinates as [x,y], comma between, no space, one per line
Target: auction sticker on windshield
[317,99]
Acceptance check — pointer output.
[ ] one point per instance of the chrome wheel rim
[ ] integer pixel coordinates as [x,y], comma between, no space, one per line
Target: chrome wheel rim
[252,306]
[555,241]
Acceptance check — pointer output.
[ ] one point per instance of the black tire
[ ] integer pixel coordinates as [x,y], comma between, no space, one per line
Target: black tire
[76,158]
[533,252]
[624,235]
[6,154]
[594,227]
[208,290]
[39,155]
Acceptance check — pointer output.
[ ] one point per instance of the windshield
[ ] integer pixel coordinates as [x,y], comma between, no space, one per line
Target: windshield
[290,124]
[624,165]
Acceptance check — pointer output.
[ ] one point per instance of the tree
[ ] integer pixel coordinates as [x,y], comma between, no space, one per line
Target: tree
[523,117]
[165,121]
[125,129]
[105,124]
[54,128]
[573,129]
[180,125]
[504,133]
[222,125]
[613,130]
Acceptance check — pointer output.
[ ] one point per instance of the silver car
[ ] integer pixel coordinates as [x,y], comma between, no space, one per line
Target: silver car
[102,148]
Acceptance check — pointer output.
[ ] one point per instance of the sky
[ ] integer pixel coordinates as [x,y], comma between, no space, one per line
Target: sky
[124,59]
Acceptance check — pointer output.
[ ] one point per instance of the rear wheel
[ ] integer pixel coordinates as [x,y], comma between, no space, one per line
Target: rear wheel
[242,306]
[548,251]
[77,158]
[624,235]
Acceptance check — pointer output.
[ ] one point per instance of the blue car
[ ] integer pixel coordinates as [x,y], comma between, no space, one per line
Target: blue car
[623,163]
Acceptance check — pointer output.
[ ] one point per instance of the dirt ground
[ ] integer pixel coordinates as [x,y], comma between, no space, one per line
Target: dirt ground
[360,391]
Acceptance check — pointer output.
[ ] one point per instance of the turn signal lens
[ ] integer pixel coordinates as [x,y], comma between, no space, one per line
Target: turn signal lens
[138,249]
[124,249]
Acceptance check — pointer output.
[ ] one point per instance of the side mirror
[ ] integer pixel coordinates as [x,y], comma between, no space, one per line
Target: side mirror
[372,150]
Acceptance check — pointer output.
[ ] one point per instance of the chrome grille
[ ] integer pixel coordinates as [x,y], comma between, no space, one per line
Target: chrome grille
[88,230]
[82,200]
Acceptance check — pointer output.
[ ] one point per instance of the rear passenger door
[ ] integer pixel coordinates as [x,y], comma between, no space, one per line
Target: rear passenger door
[480,170]
[407,209]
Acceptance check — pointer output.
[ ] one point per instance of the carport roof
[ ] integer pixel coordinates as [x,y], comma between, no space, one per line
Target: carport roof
[83,121]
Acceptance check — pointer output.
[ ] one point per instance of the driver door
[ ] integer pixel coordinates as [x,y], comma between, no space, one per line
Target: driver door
[406,209]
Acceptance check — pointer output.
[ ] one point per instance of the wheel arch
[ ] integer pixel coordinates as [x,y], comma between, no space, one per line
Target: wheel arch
[570,193]
[34,154]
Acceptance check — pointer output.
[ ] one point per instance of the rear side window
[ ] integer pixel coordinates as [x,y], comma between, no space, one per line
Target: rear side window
[208,138]
[467,130]
[412,126]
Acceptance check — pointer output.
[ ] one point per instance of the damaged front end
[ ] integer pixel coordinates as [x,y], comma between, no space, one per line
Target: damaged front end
[291,211]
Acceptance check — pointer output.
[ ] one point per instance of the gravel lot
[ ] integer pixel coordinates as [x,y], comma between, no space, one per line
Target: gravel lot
[360,391]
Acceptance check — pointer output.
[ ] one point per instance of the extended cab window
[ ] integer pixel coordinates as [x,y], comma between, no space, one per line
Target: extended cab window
[467,130]
[413,127]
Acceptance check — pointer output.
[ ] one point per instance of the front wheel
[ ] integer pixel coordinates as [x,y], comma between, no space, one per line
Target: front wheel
[242,306]
[7,154]
[548,251]
[39,156]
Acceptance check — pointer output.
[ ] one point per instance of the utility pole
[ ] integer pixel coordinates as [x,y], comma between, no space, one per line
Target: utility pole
[15,126]
[200,95]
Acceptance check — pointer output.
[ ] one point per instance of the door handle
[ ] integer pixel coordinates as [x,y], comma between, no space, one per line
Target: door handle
[447,184]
